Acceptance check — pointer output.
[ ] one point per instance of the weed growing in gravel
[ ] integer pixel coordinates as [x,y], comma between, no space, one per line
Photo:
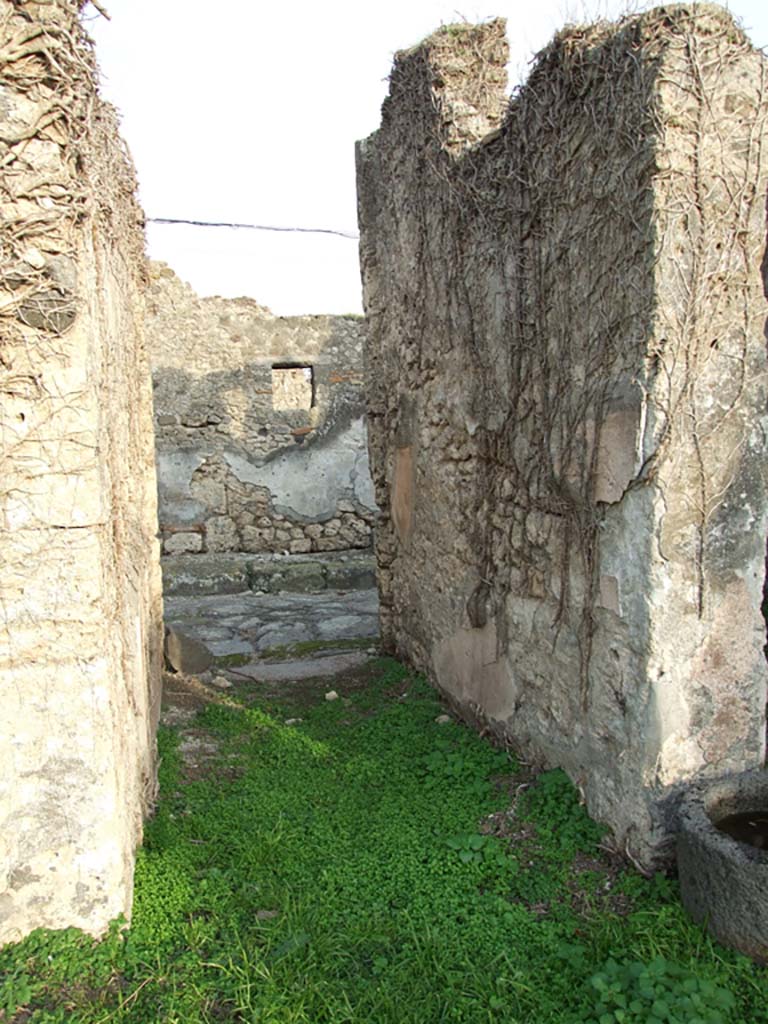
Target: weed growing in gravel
[369,865]
[301,648]
[231,660]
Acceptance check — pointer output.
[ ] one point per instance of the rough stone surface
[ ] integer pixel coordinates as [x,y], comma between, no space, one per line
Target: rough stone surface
[353,574]
[183,543]
[566,378]
[187,654]
[235,572]
[723,882]
[304,668]
[258,623]
[261,439]
[80,629]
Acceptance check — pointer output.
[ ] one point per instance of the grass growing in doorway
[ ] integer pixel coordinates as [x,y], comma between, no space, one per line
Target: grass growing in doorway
[366,864]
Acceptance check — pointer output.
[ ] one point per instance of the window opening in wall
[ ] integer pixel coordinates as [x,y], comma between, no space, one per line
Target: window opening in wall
[293,386]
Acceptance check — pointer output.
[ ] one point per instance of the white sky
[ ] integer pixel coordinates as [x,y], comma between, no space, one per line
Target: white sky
[248,111]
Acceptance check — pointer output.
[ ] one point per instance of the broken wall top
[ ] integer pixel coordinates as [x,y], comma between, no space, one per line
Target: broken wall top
[199,334]
[452,86]
[614,179]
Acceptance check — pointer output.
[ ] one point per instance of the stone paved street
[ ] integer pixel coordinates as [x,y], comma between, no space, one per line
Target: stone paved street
[251,626]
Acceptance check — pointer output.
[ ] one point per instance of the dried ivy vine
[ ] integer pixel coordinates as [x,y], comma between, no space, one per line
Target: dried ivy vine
[582,339]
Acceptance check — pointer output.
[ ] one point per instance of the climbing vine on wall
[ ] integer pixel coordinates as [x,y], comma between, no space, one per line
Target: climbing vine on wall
[593,255]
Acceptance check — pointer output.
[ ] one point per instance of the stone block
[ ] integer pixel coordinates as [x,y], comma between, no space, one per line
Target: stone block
[304,577]
[48,310]
[352,575]
[211,493]
[221,534]
[300,546]
[205,574]
[333,543]
[182,543]
[257,540]
[262,577]
[185,654]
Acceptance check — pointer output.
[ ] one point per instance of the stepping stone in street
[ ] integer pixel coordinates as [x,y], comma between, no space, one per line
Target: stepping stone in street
[282,634]
[225,648]
[304,668]
[185,654]
[348,625]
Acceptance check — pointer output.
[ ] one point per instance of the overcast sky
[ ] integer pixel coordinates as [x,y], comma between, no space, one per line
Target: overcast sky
[248,111]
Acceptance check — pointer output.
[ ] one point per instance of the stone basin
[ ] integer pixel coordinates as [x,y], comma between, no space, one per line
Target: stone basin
[724,881]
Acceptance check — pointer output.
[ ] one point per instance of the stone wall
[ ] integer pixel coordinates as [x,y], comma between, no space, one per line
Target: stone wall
[261,440]
[80,631]
[567,385]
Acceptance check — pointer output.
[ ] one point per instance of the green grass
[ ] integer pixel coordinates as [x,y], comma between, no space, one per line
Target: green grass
[360,867]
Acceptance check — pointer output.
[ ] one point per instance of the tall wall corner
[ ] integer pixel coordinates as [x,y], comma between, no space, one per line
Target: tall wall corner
[566,371]
[80,596]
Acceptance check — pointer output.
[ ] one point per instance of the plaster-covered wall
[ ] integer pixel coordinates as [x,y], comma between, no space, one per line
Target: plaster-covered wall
[566,378]
[261,440]
[80,609]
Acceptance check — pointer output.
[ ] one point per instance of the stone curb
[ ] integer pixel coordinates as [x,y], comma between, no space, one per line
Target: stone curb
[191,575]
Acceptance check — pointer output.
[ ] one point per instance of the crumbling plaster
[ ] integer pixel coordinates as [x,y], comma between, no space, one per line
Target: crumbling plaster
[237,471]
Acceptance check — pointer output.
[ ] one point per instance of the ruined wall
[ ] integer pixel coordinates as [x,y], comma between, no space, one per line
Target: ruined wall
[80,612]
[567,396]
[261,440]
